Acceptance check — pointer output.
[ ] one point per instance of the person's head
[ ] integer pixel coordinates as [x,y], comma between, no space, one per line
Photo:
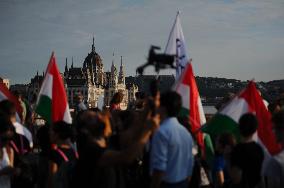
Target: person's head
[170,104]
[91,124]
[278,126]
[8,109]
[6,130]
[274,107]
[140,100]
[61,131]
[155,92]
[248,125]
[122,120]
[79,97]
[18,95]
[117,98]
[225,142]
[34,98]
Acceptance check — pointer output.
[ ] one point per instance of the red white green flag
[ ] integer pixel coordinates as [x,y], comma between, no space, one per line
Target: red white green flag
[52,102]
[247,101]
[191,102]
[5,94]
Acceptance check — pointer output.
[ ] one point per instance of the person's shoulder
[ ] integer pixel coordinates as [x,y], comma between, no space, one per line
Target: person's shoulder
[256,146]
[252,144]
[161,135]
[93,149]
[253,148]
[272,167]
[279,158]
[169,123]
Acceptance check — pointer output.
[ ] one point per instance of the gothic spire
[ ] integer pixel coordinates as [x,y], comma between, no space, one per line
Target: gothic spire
[66,66]
[121,66]
[93,45]
[72,62]
[121,78]
[113,68]
[112,59]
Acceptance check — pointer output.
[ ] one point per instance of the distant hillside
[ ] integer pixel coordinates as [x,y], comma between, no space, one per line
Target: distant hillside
[212,89]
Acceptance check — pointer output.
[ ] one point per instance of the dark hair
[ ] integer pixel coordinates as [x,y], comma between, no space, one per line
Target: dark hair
[95,109]
[184,121]
[127,118]
[172,102]
[278,119]
[17,93]
[63,129]
[117,98]
[273,106]
[248,124]
[7,108]
[140,95]
[154,88]
[90,124]
[5,124]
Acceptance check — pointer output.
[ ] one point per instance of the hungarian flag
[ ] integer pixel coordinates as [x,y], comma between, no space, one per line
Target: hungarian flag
[191,102]
[247,101]
[52,102]
[5,94]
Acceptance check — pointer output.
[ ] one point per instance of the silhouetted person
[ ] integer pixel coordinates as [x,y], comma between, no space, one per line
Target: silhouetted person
[275,167]
[247,157]
[115,101]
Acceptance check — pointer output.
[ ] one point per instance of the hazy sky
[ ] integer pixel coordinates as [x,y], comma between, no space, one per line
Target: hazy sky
[240,39]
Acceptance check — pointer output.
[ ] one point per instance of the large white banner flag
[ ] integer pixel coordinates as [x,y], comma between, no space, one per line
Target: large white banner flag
[176,46]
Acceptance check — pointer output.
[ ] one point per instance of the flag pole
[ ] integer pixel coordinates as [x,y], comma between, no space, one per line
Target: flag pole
[178,12]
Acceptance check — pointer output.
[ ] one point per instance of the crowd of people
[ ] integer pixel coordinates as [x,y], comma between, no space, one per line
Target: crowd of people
[147,145]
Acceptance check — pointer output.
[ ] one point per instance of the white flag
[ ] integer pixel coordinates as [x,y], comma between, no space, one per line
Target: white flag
[176,46]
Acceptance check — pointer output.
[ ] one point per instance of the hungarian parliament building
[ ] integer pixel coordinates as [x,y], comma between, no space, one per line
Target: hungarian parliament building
[96,85]
[92,82]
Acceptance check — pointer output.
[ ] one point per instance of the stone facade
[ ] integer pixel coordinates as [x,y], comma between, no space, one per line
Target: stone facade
[93,83]
[33,87]
[115,82]
[6,82]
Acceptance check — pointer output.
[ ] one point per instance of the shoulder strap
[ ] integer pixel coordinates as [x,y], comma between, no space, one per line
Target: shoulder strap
[62,154]
[76,154]
[14,146]
[74,147]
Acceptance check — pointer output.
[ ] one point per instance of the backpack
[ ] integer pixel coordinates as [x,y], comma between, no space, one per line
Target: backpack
[65,173]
